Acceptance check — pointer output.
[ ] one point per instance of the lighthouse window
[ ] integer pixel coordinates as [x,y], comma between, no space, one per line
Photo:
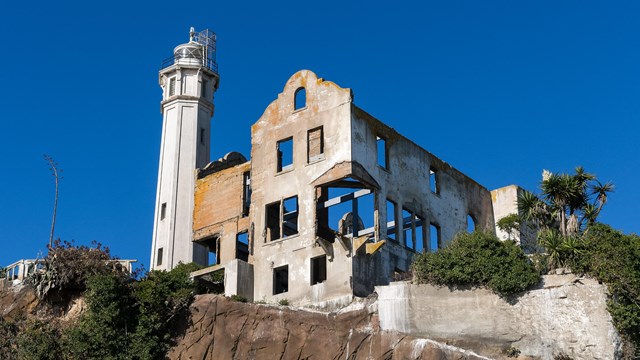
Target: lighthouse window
[172,86]
[202,133]
[159,259]
[203,90]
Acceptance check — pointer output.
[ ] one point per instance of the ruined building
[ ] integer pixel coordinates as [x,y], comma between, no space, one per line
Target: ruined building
[331,202]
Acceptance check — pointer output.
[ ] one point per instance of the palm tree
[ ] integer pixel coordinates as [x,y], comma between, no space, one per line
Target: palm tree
[567,201]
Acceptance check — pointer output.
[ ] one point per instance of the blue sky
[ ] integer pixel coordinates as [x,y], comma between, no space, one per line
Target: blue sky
[499,89]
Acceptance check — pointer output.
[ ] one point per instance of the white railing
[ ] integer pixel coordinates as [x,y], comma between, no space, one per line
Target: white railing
[18,271]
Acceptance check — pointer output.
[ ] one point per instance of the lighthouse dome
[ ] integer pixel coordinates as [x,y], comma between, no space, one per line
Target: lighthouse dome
[190,53]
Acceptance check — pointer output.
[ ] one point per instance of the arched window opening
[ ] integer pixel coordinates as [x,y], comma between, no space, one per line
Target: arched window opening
[300,98]
[471,224]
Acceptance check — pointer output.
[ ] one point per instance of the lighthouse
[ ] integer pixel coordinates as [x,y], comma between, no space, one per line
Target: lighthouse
[188,80]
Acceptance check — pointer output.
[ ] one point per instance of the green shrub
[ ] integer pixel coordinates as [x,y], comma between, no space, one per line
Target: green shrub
[39,341]
[283,302]
[238,298]
[8,332]
[160,297]
[102,332]
[477,259]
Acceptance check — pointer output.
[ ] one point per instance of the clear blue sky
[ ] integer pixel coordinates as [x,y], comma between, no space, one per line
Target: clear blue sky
[499,89]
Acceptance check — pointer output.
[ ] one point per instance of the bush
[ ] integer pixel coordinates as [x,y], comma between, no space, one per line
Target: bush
[477,259]
[238,298]
[39,341]
[102,331]
[131,320]
[160,297]
[8,332]
[68,267]
[283,302]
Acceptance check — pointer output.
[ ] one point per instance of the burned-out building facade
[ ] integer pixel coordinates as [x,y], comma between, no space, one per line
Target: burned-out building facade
[330,203]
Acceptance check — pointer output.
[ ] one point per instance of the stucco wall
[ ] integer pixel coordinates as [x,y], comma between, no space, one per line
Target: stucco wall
[566,315]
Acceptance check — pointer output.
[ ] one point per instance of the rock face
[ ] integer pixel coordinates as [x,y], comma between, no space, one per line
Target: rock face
[16,302]
[223,329]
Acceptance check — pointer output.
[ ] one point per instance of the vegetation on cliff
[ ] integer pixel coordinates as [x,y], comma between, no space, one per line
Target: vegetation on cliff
[125,318]
[477,259]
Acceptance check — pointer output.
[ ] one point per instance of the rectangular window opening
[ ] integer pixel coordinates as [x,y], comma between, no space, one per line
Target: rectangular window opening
[290,216]
[281,280]
[246,193]
[203,88]
[381,144]
[318,269]
[285,154]
[434,237]
[282,218]
[391,220]
[433,181]
[172,86]
[345,208]
[213,250]
[242,246]
[315,145]
[407,228]
[419,231]
[273,221]
[159,259]
[163,211]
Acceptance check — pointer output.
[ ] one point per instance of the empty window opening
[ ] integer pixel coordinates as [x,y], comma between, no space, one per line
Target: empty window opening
[412,230]
[391,220]
[419,234]
[345,207]
[242,246]
[407,228]
[285,154]
[172,86]
[163,211]
[471,224]
[202,135]
[273,221]
[300,98]
[434,237]
[318,269]
[213,246]
[315,145]
[246,193]
[381,144]
[290,216]
[159,259]
[281,280]
[282,218]
[433,181]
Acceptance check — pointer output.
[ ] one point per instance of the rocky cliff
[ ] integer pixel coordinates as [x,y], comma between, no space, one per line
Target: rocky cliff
[223,329]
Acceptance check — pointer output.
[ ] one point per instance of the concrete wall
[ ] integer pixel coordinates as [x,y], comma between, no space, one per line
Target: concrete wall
[327,105]
[406,181]
[567,315]
[238,279]
[505,202]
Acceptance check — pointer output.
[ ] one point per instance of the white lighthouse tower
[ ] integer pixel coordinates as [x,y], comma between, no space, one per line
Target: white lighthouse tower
[188,80]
